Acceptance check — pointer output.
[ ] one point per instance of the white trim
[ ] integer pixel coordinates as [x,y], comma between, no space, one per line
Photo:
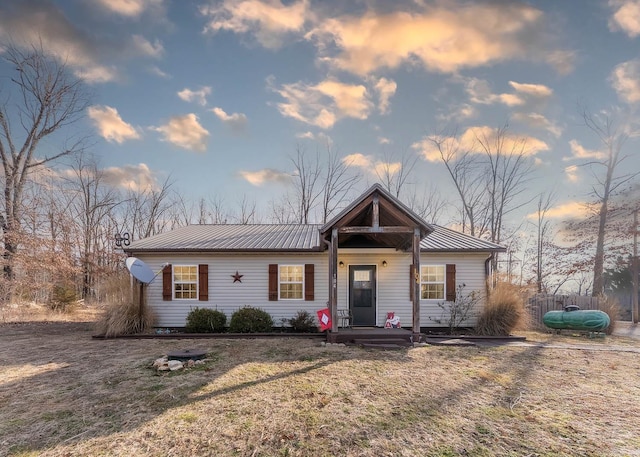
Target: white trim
[173,282]
[292,282]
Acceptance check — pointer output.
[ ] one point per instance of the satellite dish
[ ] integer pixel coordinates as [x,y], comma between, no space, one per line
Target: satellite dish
[139,270]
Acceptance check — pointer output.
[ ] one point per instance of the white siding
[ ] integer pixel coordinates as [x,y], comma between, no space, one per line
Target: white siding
[227,296]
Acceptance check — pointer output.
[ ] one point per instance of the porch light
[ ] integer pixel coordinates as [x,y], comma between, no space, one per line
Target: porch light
[384,264]
[341,264]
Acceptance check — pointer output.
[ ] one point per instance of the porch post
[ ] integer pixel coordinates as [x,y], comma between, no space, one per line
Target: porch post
[416,285]
[333,280]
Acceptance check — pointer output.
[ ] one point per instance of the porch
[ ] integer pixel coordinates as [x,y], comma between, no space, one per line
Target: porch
[373,336]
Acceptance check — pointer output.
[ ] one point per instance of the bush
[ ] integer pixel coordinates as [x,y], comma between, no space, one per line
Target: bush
[503,313]
[303,322]
[122,315]
[203,320]
[610,306]
[250,320]
[62,297]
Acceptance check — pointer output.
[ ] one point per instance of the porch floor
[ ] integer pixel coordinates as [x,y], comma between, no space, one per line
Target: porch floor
[371,335]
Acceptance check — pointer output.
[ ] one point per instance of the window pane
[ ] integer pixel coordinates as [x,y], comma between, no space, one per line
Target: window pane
[291,273]
[291,291]
[432,291]
[185,282]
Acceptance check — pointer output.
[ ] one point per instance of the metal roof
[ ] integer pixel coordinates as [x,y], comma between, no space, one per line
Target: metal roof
[447,240]
[284,237]
[233,237]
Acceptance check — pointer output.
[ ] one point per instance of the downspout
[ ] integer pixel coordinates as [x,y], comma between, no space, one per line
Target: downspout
[487,274]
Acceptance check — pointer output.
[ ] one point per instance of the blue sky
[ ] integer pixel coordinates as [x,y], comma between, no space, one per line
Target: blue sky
[218,95]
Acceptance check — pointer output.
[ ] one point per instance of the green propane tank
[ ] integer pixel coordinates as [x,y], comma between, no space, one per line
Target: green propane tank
[574,318]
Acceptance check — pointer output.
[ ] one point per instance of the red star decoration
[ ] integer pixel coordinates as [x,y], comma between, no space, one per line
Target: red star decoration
[237,277]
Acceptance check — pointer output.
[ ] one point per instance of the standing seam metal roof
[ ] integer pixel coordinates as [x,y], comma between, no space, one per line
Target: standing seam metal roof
[285,237]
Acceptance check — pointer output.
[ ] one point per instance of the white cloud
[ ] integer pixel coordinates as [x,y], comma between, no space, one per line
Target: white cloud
[236,121]
[138,178]
[110,125]
[325,103]
[385,88]
[197,96]
[445,37]
[128,8]
[306,135]
[532,90]
[626,17]
[571,172]
[269,21]
[468,141]
[537,120]
[185,132]
[145,47]
[384,140]
[579,152]
[568,210]
[480,92]
[625,79]
[158,72]
[458,113]
[267,175]
[371,165]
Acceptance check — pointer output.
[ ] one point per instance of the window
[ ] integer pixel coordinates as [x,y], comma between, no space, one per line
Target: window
[185,282]
[291,282]
[432,282]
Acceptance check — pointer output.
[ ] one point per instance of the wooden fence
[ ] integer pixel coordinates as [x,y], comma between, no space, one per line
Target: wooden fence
[538,305]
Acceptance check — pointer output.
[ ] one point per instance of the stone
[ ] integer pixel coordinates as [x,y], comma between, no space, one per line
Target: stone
[175,365]
[159,362]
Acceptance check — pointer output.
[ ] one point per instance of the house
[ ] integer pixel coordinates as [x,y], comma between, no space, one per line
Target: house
[376,256]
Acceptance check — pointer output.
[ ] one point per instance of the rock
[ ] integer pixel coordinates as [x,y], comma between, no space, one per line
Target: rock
[164,367]
[159,362]
[175,365]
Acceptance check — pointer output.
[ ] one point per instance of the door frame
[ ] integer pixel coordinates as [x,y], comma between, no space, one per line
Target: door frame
[375,274]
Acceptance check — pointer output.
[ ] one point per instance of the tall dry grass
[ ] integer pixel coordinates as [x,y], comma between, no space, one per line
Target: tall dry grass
[610,306]
[503,313]
[122,314]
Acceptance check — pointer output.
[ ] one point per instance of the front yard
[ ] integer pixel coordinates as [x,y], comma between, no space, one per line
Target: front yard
[65,394]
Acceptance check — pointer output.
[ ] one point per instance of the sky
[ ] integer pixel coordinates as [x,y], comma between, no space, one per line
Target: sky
[216,96]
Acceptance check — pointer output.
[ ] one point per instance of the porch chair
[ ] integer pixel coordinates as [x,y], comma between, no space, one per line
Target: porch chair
[345,318]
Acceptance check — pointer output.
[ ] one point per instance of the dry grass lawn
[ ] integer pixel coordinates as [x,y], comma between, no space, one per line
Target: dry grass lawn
[63,393]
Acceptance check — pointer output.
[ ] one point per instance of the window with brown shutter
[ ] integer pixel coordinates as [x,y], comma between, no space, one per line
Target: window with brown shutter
[309,279]
[203,282]
[167,283]
[451,282]
[273,282]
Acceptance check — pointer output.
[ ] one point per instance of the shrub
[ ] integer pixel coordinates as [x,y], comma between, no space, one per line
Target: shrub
[203,320]
[503,313]
[62,297]
[610,306]
[455,313]
[250,320]
[303,322]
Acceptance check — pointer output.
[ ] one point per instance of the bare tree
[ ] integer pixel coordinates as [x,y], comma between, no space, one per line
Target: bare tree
[48,99]
[307,175]
[145,210]
[337,185]
[246,211]
[612,137]
[543,232]
[394,174]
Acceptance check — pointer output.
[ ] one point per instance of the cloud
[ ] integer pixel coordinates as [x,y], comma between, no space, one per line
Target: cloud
[138,178]
[269,22]
[128,8]
[306,135]
[384,140]
[385,88]
[578,152]
[626,17]
[197,96]
[267,175]
[625,80]
[571,172]
[371,165]
[458,113]
[537,120]
[569,210]
[325,103]
[145,47]
[110,125]
[236,121]
[479,92]
[446,37]
[469,142]
[532,90]
[185,132]
[158,72]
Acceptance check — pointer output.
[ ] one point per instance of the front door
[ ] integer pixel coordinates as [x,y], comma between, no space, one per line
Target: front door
[362,294]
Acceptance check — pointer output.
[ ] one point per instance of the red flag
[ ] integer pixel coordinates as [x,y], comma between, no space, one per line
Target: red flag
[324,317]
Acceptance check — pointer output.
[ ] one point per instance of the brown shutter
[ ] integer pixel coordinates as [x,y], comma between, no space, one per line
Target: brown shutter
[412,281]
[451,282]
[167,283]
[203,282]
[309,279]
[273,282]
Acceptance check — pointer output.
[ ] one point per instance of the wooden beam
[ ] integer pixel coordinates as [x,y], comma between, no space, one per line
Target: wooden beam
[383,229]
[416,285]
[333,284]
[375,219]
